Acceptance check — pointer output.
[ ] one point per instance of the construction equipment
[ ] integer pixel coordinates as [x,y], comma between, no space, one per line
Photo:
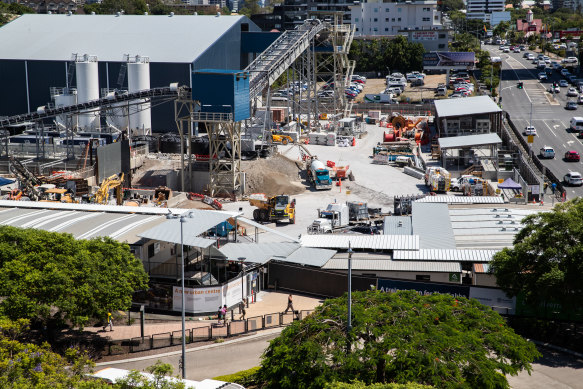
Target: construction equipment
[278,137]
[318,175]
[113,182]
[27,179]
[57,195]
[437,179]
[273,209]
[162,194]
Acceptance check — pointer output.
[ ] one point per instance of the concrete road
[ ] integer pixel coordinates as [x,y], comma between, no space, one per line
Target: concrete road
[208,361]
[533,104]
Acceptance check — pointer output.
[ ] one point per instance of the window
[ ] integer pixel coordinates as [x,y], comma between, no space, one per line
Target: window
[386,19]
[398,19]
[375,10]
[356,28]
[386,29]
[422,277]
[441,46]
[426,19]
[387,9]
[399,10]
[375,29]
[441,36]
[355,20]
[393,19]
[426,9]
[375,20]
[151,251]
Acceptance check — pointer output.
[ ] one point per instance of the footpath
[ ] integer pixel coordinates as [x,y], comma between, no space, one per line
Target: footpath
[267,302]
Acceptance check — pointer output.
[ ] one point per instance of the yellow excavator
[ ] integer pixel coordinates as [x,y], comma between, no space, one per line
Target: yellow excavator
[273,209]
[113,182]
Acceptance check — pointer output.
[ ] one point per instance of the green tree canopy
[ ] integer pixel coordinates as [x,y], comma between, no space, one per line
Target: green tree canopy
[384,55]
[400,338]
[452,5]
[545,262]
[44,271]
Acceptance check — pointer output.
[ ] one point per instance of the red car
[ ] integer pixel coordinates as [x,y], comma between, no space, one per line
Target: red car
[572,156]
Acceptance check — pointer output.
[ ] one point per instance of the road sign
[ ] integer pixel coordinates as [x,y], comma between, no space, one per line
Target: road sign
[530,139]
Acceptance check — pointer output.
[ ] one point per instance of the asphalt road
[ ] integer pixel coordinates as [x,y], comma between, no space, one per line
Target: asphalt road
[546,112]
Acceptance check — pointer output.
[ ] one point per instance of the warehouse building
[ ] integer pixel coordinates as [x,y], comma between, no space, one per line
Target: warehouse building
[37,52]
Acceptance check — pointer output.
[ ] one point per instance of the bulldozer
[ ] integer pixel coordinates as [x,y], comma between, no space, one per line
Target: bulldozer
[278,137]
[273,209]
[112,182]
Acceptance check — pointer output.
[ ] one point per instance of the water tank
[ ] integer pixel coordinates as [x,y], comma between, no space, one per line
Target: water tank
[87,89]
[138,80]
[62,98]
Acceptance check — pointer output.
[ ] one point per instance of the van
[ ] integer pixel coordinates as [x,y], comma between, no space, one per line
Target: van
[576,124]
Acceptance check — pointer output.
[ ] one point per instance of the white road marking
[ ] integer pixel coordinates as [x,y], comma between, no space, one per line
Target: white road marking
[550,129]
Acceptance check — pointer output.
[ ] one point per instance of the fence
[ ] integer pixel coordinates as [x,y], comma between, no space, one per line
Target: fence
[203,333]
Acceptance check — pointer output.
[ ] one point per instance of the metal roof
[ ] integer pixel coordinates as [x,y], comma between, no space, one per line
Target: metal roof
[309,256]
[431,223]
[462,199]
[445,255]
[196,222]
[397,225]
[258,252]
[371,242]
[262,227]
[456,142]
[481,268]
[82,225]
[465,107]
[387,265]
[163,38]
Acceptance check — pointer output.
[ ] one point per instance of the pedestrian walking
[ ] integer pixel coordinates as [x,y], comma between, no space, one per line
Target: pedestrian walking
[109,322]
[290,304]
[242,309]
[554,187]
[224,313]
[220,314]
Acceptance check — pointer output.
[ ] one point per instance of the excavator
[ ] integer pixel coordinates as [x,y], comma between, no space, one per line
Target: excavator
[112,182]
[273,209]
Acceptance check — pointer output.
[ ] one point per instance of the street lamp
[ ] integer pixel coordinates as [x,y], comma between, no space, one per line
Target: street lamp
[182,219]
[349,326]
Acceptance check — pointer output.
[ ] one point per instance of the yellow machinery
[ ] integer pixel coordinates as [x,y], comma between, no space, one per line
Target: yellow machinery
[113,182]
[57,195]
[280,138]
[273,209]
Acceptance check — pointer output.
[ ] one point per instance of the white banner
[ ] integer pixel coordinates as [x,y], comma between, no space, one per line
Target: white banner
[198,300]
[232,292]
[494,298]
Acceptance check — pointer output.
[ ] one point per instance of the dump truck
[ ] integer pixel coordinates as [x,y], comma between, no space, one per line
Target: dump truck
[335,216]
[437,179]
[318,175]
[273,209]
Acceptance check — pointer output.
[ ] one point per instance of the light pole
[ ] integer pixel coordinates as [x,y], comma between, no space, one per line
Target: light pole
[182,219]
[349,325]
[242,260]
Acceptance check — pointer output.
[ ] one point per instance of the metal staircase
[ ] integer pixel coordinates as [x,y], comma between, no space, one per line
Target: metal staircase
[280,55]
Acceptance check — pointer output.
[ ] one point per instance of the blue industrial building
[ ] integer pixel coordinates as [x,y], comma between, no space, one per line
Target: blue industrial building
[36,50]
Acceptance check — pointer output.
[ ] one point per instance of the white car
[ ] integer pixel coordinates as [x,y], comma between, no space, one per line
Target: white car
[572,92]
[530,57]
[530,130]
[573,178]
[580,99]
[555,89]
[547,152]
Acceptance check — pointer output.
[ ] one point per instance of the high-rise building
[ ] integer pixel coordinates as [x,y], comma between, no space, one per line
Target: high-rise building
[482,9]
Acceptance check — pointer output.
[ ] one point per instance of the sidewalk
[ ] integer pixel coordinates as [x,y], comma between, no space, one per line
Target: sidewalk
[267,302]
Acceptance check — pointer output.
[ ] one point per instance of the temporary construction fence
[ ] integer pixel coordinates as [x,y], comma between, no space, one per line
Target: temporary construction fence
[203,333]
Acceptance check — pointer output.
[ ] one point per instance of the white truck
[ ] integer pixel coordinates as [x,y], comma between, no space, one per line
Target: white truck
[335,216]
[388,98]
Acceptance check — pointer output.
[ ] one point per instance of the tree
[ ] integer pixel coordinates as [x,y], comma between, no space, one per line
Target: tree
[501,28]
[44,271]
[160,373]
[400,338]
[545,262]
[129,7]
[362,385]
[452,5]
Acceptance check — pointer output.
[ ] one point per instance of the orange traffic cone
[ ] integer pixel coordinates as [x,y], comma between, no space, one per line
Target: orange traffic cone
[353,141]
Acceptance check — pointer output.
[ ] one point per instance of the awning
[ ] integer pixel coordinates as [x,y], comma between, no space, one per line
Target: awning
[509,183]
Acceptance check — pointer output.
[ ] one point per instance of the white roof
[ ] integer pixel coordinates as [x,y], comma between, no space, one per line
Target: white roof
[465,107]
[462,199]
[387,265]
[177,39]
[453,142]
[372,242]
[285,252]
[445,255]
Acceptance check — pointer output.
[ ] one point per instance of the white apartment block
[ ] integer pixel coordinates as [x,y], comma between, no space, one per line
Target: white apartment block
[482,9]
[387,19]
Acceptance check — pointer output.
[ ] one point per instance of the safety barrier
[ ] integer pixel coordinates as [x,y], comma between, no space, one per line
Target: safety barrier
[203,333]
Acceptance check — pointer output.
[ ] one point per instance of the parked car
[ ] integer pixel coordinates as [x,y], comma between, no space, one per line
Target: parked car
[529,130]
[580,99]
[542,76]
[563,83]
[572,156]
[572,92]
[571,105]
[525,54]
[573,179]
[547,152]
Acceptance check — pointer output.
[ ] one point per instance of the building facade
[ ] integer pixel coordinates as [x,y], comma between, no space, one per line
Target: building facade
[482,9]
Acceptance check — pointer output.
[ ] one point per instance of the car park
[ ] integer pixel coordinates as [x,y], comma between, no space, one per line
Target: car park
[542,76]
[573,179]
[529,130]
[563,83]
[571,105]
[572,156]
[547,152]
[572,92]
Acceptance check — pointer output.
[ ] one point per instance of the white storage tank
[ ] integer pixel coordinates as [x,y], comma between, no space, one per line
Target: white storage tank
[117,114]
[139,79]
[87,89]
[62,98]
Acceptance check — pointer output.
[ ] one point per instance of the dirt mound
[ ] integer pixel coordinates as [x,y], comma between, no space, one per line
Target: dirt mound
[273,176]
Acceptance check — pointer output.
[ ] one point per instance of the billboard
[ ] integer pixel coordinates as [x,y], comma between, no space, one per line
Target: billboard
[424,35]
[444,60]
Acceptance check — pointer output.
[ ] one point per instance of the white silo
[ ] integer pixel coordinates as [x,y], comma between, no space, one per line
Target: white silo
[87,89]
[138,80]
[64,97]
[117,114]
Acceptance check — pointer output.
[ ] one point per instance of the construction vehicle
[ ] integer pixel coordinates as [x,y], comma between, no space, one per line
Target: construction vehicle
[437,179]
[111,183]
[318,175]
[161,195]
[57,195]
[29,182]
[273,209]
[336,216]
[278,137]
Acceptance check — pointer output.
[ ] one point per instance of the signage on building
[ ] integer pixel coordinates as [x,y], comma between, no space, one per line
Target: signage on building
[494,298]
[197,300]
[424,35]
[454,277]
[423,288]
[444,60]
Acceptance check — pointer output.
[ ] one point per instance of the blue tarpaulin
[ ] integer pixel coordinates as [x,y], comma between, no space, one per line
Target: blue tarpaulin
[5,181]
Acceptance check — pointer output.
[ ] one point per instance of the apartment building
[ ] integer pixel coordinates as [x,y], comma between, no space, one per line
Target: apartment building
[482,9]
